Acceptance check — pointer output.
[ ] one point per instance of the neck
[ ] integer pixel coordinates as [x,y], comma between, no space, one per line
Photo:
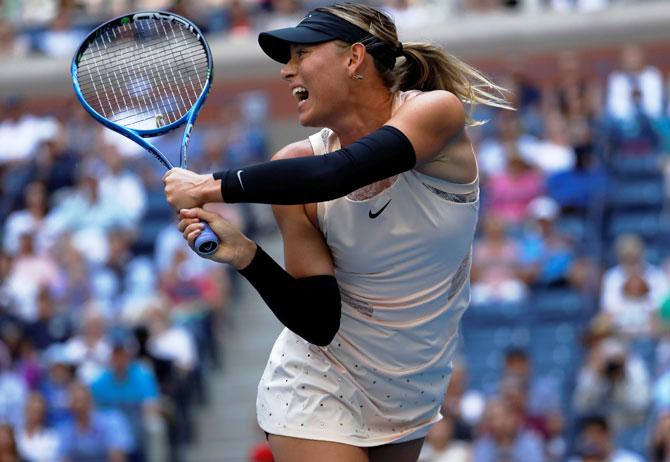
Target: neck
[368,110]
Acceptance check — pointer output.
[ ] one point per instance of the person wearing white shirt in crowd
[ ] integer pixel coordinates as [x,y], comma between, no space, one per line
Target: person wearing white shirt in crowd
[13,390]
[634,76]
[32,217]
[21,132]
[171,342]
[615,383]
[122,183]
[630,254]
[35,440]
[90,349]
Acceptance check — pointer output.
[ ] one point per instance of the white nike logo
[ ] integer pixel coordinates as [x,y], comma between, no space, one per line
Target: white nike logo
[239,178]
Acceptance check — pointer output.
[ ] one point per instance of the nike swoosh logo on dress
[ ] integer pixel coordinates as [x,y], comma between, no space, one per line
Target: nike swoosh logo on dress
[375,215]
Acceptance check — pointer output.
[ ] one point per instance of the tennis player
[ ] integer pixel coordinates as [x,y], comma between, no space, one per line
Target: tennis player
[378,257]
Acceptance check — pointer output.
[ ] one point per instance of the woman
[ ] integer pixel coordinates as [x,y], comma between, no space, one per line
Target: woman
[378,257]
[35,440]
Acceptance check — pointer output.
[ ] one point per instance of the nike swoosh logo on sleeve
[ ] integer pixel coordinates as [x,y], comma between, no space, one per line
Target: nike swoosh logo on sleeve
[239,178]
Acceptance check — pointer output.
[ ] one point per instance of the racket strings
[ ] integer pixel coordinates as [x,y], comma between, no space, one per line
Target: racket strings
[145,74]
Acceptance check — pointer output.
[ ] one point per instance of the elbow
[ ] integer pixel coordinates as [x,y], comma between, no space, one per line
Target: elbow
[325,337]
[330,325]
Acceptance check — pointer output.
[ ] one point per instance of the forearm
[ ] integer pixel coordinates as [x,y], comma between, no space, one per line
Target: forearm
[383,153]
[309,306]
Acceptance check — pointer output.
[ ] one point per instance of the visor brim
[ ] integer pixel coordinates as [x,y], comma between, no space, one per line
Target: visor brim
[277,43]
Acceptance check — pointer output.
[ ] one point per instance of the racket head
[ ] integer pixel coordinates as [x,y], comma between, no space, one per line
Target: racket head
[143,73]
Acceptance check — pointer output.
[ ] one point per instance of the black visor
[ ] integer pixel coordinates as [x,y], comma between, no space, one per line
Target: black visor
[316,27]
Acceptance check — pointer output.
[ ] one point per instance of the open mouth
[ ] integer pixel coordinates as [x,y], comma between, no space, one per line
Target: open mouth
[300,93]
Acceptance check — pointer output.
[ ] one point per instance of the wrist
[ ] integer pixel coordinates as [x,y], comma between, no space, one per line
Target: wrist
[245,255]
[210,190]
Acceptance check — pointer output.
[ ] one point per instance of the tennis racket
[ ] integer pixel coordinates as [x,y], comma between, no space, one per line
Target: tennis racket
[143,75]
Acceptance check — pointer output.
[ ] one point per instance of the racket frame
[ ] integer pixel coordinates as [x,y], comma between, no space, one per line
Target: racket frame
[138,135]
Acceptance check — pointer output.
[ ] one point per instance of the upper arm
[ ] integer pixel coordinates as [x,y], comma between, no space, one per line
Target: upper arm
[305,250]
[430,121]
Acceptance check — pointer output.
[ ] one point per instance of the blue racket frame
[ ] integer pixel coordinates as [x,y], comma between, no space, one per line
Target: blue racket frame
[207,239]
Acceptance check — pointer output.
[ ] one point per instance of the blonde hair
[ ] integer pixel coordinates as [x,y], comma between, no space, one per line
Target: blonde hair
[423,66]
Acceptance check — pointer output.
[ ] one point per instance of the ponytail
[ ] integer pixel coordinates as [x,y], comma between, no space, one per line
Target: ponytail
[426,67]
[421,66]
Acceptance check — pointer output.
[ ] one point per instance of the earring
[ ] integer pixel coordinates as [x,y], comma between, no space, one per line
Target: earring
[357,76]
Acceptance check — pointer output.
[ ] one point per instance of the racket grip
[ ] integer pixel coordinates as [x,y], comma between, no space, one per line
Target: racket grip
[207,242]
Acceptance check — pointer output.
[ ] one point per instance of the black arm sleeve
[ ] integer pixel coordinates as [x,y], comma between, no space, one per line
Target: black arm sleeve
[381,154]
[310,306]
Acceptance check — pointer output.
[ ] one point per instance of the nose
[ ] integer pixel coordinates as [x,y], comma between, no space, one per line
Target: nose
[288,71]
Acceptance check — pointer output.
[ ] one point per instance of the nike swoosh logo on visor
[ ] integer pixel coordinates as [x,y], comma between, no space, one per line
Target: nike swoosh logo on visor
[379,212]
[239,178]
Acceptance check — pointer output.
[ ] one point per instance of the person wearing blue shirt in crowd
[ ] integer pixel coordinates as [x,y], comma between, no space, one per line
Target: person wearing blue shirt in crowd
[130,387]
[93,434]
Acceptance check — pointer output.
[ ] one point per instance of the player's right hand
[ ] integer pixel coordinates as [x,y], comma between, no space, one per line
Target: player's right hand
[185,189]
[234,248]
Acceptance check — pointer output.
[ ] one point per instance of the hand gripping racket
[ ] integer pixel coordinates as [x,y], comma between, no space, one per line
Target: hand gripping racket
[143,75]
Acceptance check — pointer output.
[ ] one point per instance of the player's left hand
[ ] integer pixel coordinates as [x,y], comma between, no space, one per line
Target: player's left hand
[185,189]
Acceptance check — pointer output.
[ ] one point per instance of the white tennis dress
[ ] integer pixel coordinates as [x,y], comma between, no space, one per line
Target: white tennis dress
[402,262]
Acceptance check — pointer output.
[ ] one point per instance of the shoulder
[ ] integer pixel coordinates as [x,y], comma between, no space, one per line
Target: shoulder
[438,114]
[438,102]
[302,148]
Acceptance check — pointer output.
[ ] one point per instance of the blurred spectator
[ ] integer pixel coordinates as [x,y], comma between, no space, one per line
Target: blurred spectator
[495,265]
[660,439]
[463,405]
[8,449]
[61,38]
[21,132]
[92,434]
[54,164]
[37,442]
[635,84]
[595,443]
[553,153]
[11,44]
[174,344]
[13,390]
[510,191]
[88,214]
[577,189]
[55,383]
[89,349]
[504,437]
[51,326]
[632,309]
[128,386]
[30,274]
[75,285]
[441,446]
[509,140]
[29,218]
[547,255]
[649,285]
[543,392]
[118,179]
[239,19]
[615,383]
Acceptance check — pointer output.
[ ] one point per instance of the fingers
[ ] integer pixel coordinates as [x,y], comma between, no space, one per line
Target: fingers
[183,223]
[192,231]
[199,213]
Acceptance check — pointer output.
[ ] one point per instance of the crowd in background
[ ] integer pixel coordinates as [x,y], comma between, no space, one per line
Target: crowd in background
[55,27]
[109,324]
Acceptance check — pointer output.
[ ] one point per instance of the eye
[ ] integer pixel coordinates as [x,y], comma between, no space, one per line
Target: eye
[300,52]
